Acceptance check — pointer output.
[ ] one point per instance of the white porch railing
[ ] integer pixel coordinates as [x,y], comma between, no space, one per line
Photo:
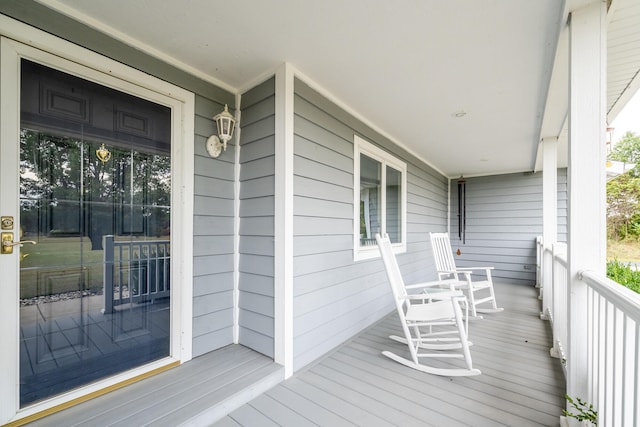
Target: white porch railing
[612,332]
[135,271]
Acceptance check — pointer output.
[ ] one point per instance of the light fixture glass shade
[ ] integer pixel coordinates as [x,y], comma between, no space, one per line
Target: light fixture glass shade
[225,123]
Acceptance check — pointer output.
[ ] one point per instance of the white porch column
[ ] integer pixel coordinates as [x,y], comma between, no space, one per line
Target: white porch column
[283,226]
[549,217]
[587,209]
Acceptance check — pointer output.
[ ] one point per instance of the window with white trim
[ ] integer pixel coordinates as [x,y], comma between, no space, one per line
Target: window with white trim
[380,194]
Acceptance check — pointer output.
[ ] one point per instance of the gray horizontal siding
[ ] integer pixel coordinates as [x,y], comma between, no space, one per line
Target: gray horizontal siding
[335,297]
[504,216]
[257,171]
[213,180]
[213,241]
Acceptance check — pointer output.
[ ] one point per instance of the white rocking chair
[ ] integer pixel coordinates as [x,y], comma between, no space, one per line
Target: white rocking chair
[430,321]
[460,278]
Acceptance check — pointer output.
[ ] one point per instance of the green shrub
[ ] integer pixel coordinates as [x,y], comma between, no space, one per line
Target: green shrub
[623,274]
[584,411]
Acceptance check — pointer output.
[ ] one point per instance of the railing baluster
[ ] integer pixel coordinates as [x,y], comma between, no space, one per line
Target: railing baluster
[618,366]
[130,270]
[124,262]
[164,268]
[107,274]
[594,346]
[599,385]
[557,289]
[624,415]
[636,383]
[608,363]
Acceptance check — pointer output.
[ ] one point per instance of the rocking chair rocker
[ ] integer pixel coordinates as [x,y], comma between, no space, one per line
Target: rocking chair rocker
[432,321]
[460,278]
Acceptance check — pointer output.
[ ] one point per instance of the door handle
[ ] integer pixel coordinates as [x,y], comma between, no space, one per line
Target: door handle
[8,243]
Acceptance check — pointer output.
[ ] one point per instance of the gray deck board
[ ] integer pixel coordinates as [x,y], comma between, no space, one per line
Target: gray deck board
[395,392]
[453,402]
[479,388]
[354,414]
[520,383]
[141,410]
[247,415]
[451,397]
[358,394]
[311,410]
[228,422]
[279,413]
[211,394]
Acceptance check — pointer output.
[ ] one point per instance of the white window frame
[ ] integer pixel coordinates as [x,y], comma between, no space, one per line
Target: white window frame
[362,146]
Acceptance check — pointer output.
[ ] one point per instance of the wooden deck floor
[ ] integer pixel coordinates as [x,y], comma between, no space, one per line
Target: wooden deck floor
[520,384]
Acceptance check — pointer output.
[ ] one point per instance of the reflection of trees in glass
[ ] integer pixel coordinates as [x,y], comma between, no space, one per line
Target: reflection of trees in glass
[50,174]
[67,190]
[145,192]
[394,204]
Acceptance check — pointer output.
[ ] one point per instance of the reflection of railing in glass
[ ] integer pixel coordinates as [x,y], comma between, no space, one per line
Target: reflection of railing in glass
[135,271]
[367,242]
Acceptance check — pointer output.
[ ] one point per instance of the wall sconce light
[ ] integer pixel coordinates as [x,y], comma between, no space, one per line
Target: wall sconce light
[225,124]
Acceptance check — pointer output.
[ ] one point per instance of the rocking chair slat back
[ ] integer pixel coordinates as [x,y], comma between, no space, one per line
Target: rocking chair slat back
[463,278]
[442,252]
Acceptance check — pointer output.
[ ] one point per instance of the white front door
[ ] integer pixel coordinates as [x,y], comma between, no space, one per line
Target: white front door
[93,289]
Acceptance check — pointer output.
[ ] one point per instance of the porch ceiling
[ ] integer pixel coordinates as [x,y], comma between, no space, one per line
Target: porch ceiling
[406,67]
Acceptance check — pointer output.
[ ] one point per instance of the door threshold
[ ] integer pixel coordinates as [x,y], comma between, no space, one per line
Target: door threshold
[100,388]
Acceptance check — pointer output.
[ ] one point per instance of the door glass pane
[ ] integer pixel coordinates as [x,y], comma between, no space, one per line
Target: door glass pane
[95,179]
[394,205]
[370,199]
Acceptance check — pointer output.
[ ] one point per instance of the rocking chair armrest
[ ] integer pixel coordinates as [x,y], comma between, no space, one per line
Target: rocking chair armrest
[427,284]
[444,294]
[466,272]
[474,268]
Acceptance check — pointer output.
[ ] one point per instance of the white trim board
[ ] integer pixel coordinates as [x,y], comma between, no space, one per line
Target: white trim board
[283,227]
[236,225]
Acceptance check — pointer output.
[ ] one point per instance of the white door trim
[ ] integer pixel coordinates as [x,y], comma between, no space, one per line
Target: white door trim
[9,158]
[49,50]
